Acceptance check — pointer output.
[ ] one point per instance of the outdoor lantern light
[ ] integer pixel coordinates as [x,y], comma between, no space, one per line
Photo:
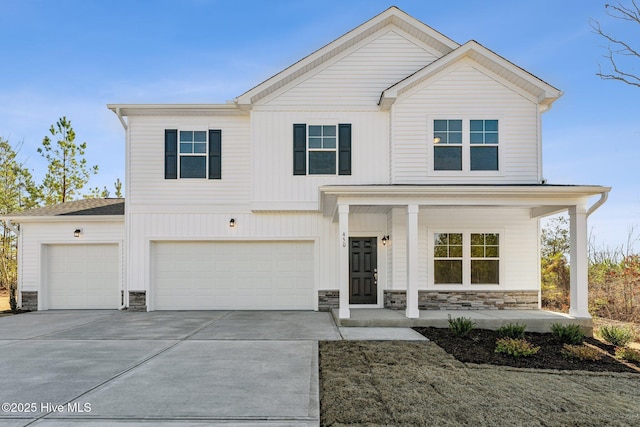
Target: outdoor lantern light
[385,239]
[77,232]
[232,222]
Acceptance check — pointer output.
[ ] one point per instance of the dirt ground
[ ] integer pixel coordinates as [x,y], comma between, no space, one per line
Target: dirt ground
[417,383]
[4,300]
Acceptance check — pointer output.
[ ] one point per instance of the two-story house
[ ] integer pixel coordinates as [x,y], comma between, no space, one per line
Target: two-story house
[392,167]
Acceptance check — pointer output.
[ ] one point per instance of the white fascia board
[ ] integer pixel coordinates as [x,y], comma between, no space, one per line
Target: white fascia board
[176,109]
[65,218]
[389,95]
[391,16]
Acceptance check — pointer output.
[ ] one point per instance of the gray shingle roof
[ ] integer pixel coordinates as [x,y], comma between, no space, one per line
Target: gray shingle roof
[78,207]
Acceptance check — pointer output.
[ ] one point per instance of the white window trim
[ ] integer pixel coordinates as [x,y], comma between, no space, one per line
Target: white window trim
[335,150]
[466,259]
[466,146]
[205,154]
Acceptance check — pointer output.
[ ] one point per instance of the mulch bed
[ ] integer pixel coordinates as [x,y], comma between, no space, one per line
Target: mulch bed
[479,347]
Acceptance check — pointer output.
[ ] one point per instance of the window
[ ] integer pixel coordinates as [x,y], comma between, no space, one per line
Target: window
[447,254]
[465,145]
[193,154]
[485,258]
[483,138]
[466,258]
[321,149]
[447,140]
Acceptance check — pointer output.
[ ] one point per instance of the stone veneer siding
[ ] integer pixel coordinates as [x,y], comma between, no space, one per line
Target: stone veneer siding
[29,300]
[465,300]
[328,300]
[137,301]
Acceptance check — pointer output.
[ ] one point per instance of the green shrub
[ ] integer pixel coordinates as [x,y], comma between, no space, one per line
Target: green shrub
[512,330]
[628,354]
[515,347]
[581,352]
[616,335]
[461,326]
[568,334]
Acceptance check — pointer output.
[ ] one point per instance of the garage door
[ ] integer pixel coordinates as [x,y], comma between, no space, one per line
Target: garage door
[232,275]
[82,276]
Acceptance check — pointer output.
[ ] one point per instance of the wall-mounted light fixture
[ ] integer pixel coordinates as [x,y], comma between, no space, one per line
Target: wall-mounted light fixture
[77,232]
[385,239]
[232,222]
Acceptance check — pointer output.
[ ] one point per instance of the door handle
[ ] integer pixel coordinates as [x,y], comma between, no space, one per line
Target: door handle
[375,276]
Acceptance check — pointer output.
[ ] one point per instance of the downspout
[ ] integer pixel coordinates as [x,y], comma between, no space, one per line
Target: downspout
[603,198]
[119,114]
[12,227]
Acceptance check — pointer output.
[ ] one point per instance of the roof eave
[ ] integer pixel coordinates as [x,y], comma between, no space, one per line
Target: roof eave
[176,109]
[17,219]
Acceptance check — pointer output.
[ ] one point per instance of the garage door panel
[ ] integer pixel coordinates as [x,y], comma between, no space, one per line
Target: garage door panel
[82,276]
[233,275]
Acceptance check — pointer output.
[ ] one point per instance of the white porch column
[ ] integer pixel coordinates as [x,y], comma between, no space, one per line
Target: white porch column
[343,260]
[412,262]
[579,292]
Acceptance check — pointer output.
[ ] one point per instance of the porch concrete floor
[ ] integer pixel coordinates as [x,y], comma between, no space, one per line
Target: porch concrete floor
[536,320]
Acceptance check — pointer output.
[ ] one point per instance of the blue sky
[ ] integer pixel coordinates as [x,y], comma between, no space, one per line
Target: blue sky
[72,57]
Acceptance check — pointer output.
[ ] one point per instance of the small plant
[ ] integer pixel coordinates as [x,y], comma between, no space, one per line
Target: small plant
[628,354]
[461,326]
[512,330]
[517,347]
[616,335]
[568,334]
[581,352]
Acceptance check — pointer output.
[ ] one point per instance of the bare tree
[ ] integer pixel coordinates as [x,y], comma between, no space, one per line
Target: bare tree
[621,55]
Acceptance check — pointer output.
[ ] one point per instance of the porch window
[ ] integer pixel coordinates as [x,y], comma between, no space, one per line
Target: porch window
[466,258]
[447,265]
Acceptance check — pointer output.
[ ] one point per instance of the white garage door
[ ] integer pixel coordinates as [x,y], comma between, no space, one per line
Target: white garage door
[82,276]
[232,275]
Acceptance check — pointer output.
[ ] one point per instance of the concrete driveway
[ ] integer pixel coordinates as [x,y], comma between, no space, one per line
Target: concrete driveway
[171,368]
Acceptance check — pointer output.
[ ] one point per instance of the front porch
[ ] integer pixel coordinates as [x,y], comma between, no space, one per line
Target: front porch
[536,320]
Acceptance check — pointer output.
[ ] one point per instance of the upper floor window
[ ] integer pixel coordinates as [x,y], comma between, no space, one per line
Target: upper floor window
[192,154]
[483,138]
[461,145]
[321,149]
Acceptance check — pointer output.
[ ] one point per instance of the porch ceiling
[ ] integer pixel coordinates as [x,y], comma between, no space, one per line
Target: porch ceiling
[542,199]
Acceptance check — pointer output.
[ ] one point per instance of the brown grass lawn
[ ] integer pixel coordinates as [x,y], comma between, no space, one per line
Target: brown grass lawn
[395,383]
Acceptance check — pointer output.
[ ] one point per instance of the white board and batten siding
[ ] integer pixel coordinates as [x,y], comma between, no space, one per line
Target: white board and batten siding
[464,92]
[73,272]
[518,243]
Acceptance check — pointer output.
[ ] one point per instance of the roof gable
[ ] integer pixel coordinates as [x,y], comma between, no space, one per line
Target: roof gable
[499,66]
[392,16]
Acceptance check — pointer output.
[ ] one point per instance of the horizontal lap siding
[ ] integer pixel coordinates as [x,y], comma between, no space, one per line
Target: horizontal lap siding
[147,185]
[463,93]
[273,179]
[361,75]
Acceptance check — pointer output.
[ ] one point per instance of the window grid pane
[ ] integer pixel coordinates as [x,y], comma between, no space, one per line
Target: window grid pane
[485,265]
[322,149]
[192,143]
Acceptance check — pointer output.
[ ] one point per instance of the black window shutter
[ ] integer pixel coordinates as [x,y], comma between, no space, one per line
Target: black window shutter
[170,154]
[344,149]
[215,154]
[299,149]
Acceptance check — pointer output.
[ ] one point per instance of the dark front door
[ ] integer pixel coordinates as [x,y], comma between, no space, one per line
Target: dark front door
[363,267]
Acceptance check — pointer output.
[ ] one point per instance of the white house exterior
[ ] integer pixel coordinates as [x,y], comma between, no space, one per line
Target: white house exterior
[391,168]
